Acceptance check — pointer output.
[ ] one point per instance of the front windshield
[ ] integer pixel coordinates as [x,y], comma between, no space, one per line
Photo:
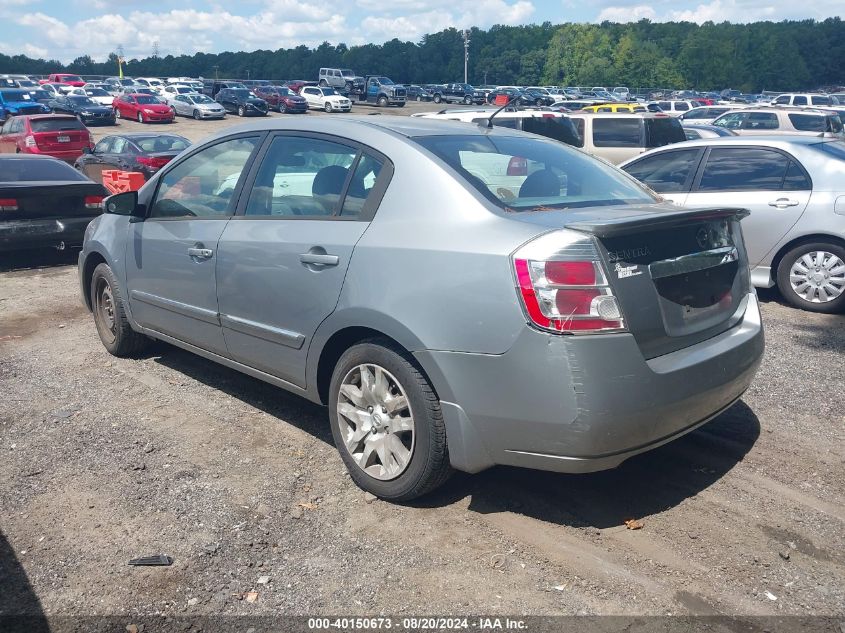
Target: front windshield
[284,92]
[203,99]
[97,92]
[328,92]
[530,174]
[15,95]
[39,94]
[243,94]
[82,101]
[346,72]
[385,81]
[69,78]
[148,100]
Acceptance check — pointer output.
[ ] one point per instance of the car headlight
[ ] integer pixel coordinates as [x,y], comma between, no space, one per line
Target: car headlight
[85,113]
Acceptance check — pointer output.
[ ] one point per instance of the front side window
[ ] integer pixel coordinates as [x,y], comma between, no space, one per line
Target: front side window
[301,177]
[526,174]
[617,132]
[731,121]
[744,169]
[783,100]
[203,184]
[799,100]
[666,172]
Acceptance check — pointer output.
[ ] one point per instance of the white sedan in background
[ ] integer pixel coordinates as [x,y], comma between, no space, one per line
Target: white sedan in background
[319,98]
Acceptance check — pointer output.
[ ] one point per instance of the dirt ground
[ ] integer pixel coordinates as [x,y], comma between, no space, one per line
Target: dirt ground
[103,460]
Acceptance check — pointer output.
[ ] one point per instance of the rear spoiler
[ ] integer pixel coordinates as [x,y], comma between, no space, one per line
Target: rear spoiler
[651,221]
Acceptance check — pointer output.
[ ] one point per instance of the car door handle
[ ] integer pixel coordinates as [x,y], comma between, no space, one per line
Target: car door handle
[320,259]
[200,253]
[783,203]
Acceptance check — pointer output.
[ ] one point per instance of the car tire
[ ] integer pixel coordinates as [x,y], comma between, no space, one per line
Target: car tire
[327,107]
[116,113]
[467,100]
[197,115]
[282,108]
[241,111]
[796,282]
[437,99]
[538,102]
[419,98]
[140,117]
[113,327]
[382,102]
[421,462]
[323,83]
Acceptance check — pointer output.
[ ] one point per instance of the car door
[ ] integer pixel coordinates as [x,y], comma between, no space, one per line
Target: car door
[93,164]
[283,257]
[172,255]
[768,182]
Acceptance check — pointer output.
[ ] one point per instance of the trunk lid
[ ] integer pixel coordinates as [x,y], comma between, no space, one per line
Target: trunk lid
[49,200]
[681,276]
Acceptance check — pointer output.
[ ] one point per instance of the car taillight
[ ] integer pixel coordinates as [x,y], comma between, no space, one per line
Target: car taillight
[154,162]
[8,204]
[29,141]
[563,285]
[517,166]
[93,202]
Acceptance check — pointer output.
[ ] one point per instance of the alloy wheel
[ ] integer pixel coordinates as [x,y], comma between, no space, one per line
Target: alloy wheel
[818,276]
[376,421]
[140,117]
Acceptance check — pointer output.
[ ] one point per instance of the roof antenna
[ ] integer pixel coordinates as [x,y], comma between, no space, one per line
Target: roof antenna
[489,124]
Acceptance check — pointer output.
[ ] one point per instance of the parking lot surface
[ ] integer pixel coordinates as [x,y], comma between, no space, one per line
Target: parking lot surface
[104,460]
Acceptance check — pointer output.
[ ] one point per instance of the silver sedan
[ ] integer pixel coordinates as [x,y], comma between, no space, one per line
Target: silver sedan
[794,187]
[197,106]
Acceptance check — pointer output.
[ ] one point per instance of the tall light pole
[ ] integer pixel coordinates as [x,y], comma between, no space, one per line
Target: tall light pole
[466,54]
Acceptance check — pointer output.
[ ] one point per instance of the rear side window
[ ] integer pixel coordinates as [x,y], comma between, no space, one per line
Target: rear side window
[557,128]
[744,169]
[799,100]
[820,100]
[807,122]
[834,124]
[761,121]
[667,172]
[796,179]
[663,131]
[681,106]
[617,132]
[55,125]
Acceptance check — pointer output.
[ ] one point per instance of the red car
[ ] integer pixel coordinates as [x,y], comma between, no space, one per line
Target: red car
[142,108]
[64,78]
[57,135]
[281,98]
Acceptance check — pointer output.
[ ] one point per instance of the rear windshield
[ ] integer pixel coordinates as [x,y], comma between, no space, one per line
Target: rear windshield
[162,143]
[660,132]
[530,174]
[27,169]
[55,125]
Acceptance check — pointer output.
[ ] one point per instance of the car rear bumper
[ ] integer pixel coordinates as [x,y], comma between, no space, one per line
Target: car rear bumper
[47,232]
[586,403]
[68,155]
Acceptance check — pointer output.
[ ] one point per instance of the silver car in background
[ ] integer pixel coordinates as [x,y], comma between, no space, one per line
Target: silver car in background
[195,105]
[458,296]
[794,187]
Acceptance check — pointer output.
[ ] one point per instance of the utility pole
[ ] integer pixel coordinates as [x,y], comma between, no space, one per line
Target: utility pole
[155,48]
[216,76]
[466,54]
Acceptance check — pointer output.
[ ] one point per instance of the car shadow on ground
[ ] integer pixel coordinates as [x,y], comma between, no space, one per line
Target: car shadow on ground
[642,486]
[33,259]
[20,609]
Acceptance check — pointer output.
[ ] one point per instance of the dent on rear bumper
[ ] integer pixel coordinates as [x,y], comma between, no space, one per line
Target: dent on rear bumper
[580,404]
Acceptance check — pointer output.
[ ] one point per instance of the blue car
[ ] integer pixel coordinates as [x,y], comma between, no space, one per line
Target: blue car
[14,102]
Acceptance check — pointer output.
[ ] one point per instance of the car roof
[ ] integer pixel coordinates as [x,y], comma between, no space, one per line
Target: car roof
[773,140]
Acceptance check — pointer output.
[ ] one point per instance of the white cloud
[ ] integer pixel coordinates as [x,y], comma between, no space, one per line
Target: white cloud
[738,11]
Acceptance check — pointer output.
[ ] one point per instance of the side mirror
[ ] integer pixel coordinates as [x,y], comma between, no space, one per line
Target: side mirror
[125,203]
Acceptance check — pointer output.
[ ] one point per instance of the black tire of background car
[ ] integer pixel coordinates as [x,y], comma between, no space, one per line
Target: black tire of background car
[429,467]
[140,117]
[282,108]
[327,107]
[786,291]
[401,105]
[197,115]
[383,102]
[127,342]
[467,100]
[116,113]
[323,83]
[241,111]
[437,98]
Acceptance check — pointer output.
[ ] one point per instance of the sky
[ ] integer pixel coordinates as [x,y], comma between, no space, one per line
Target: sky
[66,29]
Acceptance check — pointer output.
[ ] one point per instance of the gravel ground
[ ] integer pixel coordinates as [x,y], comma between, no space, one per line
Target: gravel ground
[103,460]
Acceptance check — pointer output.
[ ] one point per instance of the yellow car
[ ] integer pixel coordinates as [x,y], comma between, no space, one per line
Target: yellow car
[615,107]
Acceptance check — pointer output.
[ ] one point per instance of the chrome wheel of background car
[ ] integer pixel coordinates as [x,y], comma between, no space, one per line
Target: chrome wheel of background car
[241,111]
[197,115]
[328,107]
[467,100]
[140,117]
[282,108]
[382,102]
[104,310]
[818,276]
[116,113]
[376,421]
[437,99]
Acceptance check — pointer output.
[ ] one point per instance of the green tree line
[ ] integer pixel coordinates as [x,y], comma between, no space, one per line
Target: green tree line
[750,57]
